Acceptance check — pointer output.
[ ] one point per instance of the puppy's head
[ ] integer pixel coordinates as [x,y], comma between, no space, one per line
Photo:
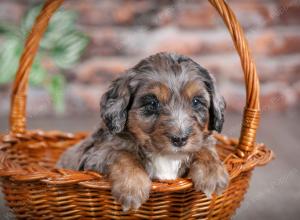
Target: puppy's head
[167,102]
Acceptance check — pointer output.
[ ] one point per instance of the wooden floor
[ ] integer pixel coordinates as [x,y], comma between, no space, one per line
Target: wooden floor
[275,189]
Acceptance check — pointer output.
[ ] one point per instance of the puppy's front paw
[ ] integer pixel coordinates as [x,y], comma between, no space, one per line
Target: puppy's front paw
[132,191]
[209,177]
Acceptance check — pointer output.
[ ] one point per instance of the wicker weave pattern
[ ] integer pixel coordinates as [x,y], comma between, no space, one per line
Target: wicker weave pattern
[34,189]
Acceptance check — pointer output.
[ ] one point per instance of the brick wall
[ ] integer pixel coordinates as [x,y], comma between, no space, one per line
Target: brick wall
[124,31]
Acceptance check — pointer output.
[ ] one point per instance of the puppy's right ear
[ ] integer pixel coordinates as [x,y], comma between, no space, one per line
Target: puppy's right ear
[114,104]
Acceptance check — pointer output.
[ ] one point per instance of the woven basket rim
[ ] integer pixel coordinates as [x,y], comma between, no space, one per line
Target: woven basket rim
[261,155]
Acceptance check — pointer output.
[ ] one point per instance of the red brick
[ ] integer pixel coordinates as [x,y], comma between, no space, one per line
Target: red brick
[274,42]
[136,12]
[290,44]
[93,12]
[100,70]
[185,42]
[278,69]
[200,15]
[128,12]
[253,14]
[274,96]
[288,12]
[261,42]
[284,69]
[277,96]
[103,41]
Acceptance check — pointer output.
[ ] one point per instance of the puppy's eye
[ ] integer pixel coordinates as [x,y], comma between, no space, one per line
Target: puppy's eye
[199,102]
[150,104]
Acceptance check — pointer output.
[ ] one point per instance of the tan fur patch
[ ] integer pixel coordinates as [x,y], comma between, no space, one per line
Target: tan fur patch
[191,89]
[130,182]
[137,131]
[161,91]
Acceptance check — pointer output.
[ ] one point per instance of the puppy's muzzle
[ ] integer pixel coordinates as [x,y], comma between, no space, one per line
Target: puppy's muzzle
[178,141]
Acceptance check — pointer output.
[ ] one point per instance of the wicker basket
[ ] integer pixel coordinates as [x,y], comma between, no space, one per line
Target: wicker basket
[34,189]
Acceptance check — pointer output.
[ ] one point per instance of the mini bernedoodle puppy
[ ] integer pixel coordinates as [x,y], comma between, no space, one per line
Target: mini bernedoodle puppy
[156,123]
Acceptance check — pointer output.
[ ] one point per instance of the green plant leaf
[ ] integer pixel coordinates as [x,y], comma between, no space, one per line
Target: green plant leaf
[9,60]
[9,29]
[56,90]
[38,73]
[62,23]
[28,20]
[62,43]
[68,49]
[10,53]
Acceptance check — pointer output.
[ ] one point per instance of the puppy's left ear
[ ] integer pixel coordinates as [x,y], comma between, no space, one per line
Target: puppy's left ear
[217,104]
[115,103]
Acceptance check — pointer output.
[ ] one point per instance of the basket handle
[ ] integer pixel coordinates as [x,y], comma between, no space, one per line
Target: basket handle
[252,109]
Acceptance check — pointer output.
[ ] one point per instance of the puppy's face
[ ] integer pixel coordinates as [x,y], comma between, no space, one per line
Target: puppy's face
[167,102]
[169,118]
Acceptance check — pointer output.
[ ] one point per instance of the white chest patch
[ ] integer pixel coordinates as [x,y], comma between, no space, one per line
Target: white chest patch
[164,167]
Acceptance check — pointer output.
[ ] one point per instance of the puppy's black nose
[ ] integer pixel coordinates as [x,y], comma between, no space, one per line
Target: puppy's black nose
[178,141]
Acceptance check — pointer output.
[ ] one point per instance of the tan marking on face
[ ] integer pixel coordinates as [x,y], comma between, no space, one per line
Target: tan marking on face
[136,127]
[191,89]
[161,91]
[206,127]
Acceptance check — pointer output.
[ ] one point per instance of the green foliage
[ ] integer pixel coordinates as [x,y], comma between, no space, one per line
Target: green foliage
[56,90]
[62,45]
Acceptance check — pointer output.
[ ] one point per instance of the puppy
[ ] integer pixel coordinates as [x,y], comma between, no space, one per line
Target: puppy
[156,123]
